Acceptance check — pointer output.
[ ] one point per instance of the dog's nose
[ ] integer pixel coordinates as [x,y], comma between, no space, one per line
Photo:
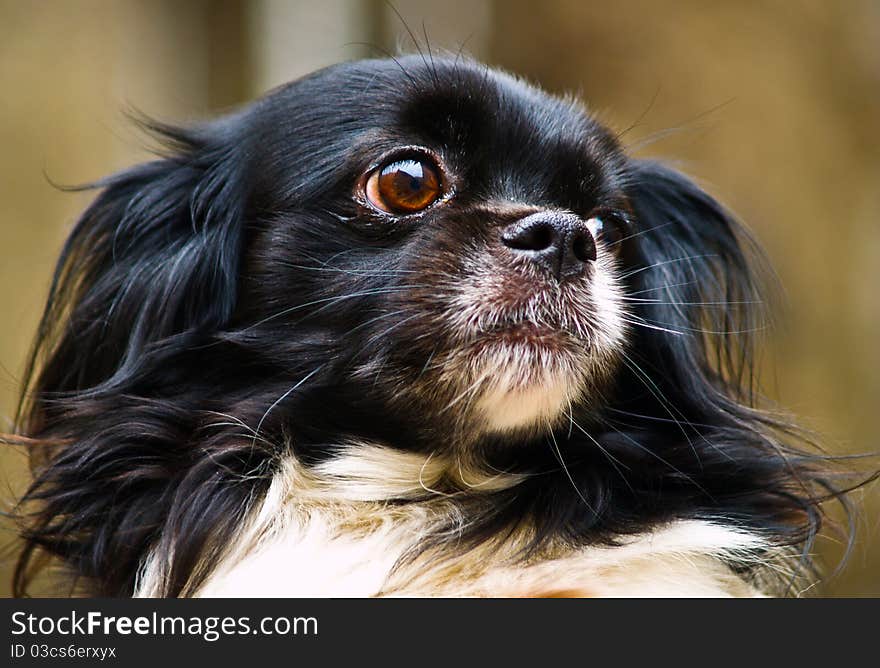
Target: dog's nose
[559,242]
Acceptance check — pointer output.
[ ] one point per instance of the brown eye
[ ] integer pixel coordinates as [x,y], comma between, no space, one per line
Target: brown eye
[609,226]
[404,186]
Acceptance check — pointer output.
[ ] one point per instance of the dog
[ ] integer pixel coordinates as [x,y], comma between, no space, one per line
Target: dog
[410,327]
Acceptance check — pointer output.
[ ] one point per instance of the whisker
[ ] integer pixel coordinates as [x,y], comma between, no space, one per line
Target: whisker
[561,461]
[630,319]
[376,319]
[669,407]
[670,303]
[658,457]
[282,398]
[642,416]
[641,117]
[570,420]
[688,258]
[688,125]
[387,331]
[337,298]
[428,362]
[611,458]
[660,397]
[662,287]
[352,272]
[469,390]
[684,330]
[640,233]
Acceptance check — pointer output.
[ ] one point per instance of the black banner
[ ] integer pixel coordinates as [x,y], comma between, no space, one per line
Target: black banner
[461,632]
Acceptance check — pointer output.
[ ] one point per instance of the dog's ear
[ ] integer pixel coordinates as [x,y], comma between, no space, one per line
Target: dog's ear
[155,256]
[699,282]
[109,411]
[702,289]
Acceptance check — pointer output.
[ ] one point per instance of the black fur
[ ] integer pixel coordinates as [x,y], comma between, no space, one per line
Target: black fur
[210,308]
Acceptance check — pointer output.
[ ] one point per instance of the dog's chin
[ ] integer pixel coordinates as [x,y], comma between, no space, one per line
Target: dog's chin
[529,377]
[541,404]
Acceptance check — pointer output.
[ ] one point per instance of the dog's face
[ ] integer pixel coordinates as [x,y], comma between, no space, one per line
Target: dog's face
[425,259]
[453,233]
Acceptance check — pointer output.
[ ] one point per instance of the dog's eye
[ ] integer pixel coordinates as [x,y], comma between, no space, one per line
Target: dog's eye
[609,226]
[404,186]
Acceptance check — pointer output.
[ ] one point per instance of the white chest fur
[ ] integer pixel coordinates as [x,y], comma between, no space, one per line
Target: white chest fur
[682,559]
[328,532]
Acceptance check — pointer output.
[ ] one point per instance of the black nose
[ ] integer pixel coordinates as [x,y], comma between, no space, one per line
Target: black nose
[559,242]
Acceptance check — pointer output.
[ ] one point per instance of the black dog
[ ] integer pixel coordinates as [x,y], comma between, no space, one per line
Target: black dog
[409,327]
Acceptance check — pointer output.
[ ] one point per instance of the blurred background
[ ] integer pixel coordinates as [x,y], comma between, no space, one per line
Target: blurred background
[772,105]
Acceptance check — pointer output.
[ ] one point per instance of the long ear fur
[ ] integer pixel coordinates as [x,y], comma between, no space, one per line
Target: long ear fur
[703,285]
[156,255]
[149,271]
[699,304]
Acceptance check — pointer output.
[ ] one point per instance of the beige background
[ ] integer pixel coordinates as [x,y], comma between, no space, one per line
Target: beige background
[774,106]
